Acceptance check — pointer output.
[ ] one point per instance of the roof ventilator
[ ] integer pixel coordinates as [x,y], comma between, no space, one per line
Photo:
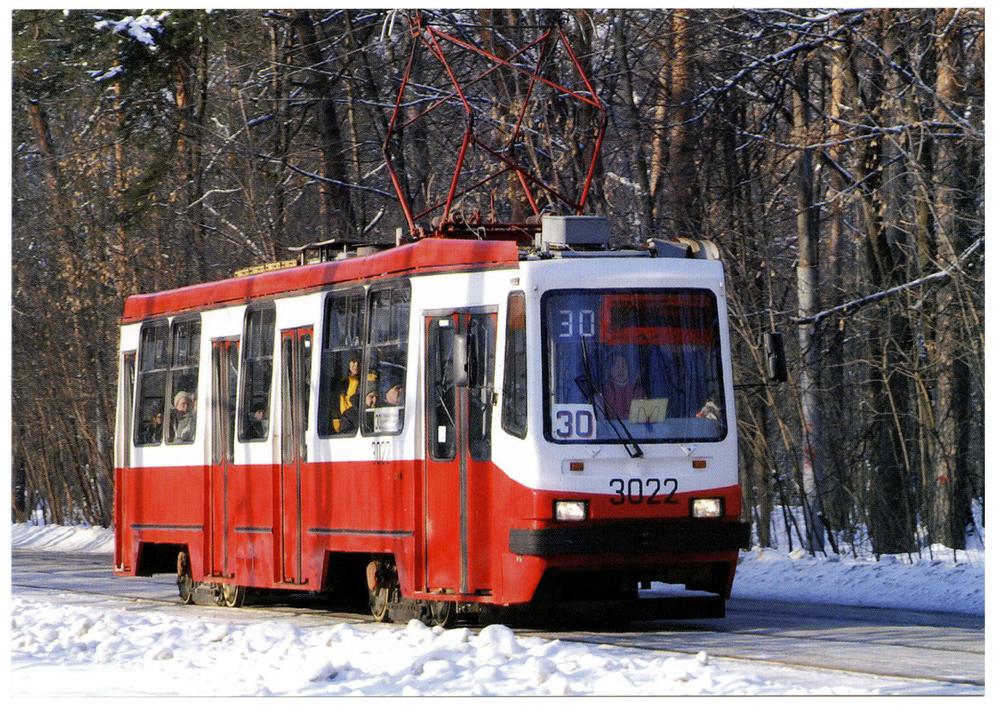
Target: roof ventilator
[578,233]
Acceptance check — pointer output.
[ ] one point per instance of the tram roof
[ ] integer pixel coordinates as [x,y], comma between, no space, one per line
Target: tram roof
[430,255]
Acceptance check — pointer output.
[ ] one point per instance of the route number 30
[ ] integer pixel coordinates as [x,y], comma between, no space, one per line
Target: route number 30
[579,324]
[573,421]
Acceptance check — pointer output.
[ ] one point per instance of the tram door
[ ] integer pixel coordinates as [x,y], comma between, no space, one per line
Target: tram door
[459,403]
[125,435]
[296,352]
[225,366]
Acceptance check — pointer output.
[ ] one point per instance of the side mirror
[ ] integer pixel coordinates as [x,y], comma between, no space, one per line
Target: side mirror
[460,361]
[774,355]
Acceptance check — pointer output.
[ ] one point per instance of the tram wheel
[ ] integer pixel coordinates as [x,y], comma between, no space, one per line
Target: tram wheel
[378,603]
[185,585]
[441,612]
[233,595]
[382,585]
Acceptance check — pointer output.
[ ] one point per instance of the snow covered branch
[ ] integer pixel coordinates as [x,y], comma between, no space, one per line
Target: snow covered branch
[849,308]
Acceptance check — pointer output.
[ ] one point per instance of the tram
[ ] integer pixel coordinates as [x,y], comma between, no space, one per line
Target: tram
[481,415]
[448,423]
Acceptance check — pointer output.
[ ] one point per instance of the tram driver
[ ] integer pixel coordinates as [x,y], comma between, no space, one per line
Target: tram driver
[620,390]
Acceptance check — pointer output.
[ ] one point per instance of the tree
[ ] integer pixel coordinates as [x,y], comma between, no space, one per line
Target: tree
[835,156]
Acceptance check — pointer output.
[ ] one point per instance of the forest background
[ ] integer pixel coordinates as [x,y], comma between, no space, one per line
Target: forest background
[836,157]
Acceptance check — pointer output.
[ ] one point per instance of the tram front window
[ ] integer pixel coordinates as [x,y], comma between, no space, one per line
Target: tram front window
[633,365]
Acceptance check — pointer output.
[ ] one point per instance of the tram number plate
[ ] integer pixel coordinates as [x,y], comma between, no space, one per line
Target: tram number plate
[654,491]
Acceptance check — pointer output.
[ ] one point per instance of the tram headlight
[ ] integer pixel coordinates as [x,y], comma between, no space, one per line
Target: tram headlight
[571,510]
[706,507]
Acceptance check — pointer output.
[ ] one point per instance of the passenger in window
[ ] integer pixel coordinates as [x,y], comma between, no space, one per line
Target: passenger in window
[371,395]
[183,418]
[395,396]
[258,425]
[621,389]
[379,415]
[348,398]
[710,410]
[152,431]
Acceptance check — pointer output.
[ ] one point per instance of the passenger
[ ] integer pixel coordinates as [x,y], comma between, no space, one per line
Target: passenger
[621,389]
[710,410]
[396,395]
[371,396]
[258,426]
[347,399]
[183,418]
[152,432]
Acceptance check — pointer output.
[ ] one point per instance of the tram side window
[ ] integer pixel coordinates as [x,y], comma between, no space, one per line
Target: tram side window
[481,346]
[340,363]
[154,366]
[385,359]
[441,417]
[183,380]
[258,358]
[514,412]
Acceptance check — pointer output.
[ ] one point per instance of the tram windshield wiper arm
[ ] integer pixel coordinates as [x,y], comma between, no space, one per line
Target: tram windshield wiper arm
[632,447]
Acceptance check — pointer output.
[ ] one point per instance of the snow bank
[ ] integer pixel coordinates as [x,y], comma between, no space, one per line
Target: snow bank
[945,584]
[73,649]
[64,539]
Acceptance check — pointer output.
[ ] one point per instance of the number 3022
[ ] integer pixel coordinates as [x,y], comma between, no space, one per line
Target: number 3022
[653,491]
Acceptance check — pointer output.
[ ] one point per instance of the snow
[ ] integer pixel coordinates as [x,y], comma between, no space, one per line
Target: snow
[138,28]
[120,651]
[79,644]
[938,585]
[100,75]
[63,539]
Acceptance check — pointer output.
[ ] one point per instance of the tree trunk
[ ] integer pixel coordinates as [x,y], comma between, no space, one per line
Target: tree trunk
[658,161]
[888,518]
[807,224]
[681,176]
[633,122]
[837,477]
[335,196]
[949,503]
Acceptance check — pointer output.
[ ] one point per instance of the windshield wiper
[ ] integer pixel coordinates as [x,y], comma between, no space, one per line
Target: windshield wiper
[611,416]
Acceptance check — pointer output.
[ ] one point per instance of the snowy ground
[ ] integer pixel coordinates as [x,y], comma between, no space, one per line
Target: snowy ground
[87,645]
[952,582]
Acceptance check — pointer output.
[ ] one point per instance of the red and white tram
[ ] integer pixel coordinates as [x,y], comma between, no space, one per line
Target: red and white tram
[450,423]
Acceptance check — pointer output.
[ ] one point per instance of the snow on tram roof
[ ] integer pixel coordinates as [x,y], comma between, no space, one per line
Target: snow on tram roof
[425,256]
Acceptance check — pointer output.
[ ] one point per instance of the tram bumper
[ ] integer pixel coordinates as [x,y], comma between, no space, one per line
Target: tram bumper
[631,537]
